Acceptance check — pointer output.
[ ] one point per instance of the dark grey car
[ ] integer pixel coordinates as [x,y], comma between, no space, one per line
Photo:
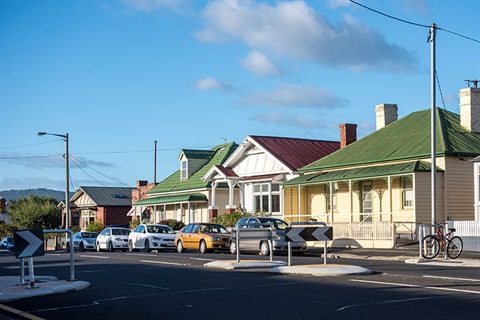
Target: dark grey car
[262,246]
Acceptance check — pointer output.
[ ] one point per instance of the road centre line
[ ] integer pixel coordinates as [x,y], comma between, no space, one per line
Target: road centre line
[163,262]
[414,286]
[91,256]
[451,278]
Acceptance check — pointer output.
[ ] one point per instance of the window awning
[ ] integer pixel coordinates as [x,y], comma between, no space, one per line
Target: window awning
[183,198]
[135,211]
[361,173]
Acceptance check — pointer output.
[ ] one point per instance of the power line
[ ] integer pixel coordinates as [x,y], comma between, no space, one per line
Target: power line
[76,164]
[113,179]
[412,23]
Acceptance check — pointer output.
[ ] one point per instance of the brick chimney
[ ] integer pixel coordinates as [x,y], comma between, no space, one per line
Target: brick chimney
[386,114]
[470,109]
[348,134]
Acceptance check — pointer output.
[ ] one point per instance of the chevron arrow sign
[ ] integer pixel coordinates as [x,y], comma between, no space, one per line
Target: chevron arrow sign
[28,243]
[298,234]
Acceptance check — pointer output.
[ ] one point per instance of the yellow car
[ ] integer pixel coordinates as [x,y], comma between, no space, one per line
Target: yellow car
[206,237]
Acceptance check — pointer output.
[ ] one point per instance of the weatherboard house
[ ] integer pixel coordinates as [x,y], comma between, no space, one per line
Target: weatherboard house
[385,177]
[107,205]
[183,196]
[256,170]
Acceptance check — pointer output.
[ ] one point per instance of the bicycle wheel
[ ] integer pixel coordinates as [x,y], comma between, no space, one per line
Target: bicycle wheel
[454,247]
[430,247]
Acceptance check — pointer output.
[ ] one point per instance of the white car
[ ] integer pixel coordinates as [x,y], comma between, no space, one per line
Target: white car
[113,238]
[151,237]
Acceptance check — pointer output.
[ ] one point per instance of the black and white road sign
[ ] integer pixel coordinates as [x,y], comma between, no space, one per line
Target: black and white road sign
[297,234]
[28,243]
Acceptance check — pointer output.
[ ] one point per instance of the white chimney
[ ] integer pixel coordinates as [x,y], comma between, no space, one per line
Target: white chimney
[386,114]
[470,109]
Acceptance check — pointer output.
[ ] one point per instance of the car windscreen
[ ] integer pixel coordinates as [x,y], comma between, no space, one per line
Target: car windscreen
[120,232]
[159,229]
[276,223]
[89,235]
[213,228]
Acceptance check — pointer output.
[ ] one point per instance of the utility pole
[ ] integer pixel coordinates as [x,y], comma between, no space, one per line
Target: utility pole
[155,164]
[433,31]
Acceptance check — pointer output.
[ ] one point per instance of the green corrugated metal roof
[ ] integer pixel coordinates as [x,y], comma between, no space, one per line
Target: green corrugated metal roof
[172,199]
[359,173]
[406,138]
[198,154]
[173,182]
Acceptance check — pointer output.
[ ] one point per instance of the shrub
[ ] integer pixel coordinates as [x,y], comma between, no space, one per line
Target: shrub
[95,227]
[174,224]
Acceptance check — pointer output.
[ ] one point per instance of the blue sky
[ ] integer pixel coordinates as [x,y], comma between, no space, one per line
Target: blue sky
[118,75]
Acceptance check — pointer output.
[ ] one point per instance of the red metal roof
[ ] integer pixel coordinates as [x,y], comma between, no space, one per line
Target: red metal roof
[296,153]
[228,172]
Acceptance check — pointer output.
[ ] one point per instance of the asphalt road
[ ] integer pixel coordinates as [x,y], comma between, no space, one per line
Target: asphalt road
[169,285]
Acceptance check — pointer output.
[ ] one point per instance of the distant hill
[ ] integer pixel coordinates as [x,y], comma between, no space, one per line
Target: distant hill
[18,194]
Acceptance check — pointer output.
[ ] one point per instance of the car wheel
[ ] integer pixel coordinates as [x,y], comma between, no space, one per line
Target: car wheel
[130,246]
[147,246]
[110,246]
[180,247]
[233,247]
[203,247]
[264,248]
[81,248]
[98,247]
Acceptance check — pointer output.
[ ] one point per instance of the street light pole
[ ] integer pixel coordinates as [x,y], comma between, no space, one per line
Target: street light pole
[67,191]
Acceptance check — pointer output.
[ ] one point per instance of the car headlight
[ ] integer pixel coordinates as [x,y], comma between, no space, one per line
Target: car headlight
[278,238]
[156,238]
[90,241]
[216,239]
[117,239]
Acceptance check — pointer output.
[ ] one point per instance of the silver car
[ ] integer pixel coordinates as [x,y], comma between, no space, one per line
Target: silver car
[83,240]
[262,246]
[113,238]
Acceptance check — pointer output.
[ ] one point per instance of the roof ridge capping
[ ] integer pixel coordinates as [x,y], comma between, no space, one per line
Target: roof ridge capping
[409,137]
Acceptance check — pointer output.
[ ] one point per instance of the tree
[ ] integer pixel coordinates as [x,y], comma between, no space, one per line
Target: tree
[35,212]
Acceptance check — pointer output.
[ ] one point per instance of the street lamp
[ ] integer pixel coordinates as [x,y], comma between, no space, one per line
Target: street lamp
[67,192]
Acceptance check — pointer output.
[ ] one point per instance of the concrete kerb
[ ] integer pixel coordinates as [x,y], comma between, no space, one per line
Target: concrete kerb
[11,289]
[322,270]
[282,267]
[475,263]
[246,264]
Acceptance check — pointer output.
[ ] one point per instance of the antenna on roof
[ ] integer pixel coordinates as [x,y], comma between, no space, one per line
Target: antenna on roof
[224,139]
[474,82]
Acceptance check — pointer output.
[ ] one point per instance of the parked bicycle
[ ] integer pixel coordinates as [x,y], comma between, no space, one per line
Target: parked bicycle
[432,244]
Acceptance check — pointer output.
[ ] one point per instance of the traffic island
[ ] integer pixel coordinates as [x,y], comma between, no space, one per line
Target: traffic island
[245,264]
[321,270]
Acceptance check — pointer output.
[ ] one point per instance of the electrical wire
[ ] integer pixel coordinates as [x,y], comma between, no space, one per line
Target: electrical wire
[113,179]
[76,164]
[412,23]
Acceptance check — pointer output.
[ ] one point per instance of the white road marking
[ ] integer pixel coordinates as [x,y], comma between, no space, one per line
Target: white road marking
[93,256]
[163,262]
[415,286]
[451,278]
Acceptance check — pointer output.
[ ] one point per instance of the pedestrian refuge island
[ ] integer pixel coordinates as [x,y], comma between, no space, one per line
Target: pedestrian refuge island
[308,231]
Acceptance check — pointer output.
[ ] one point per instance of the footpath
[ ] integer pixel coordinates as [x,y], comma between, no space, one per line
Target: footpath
[10,289]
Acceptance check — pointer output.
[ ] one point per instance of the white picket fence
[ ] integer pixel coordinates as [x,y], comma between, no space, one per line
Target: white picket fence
[367,234]
[465,228]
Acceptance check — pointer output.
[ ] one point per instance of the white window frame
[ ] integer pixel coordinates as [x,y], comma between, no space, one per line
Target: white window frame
[407,193]
[183,170]
[265,190]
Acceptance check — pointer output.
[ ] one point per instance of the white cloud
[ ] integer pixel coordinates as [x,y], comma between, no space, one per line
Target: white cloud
[212,84]
[149,6]
[295,96]
[286,120]
[36,161]
[294,30]
[338,3]
[258,64]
